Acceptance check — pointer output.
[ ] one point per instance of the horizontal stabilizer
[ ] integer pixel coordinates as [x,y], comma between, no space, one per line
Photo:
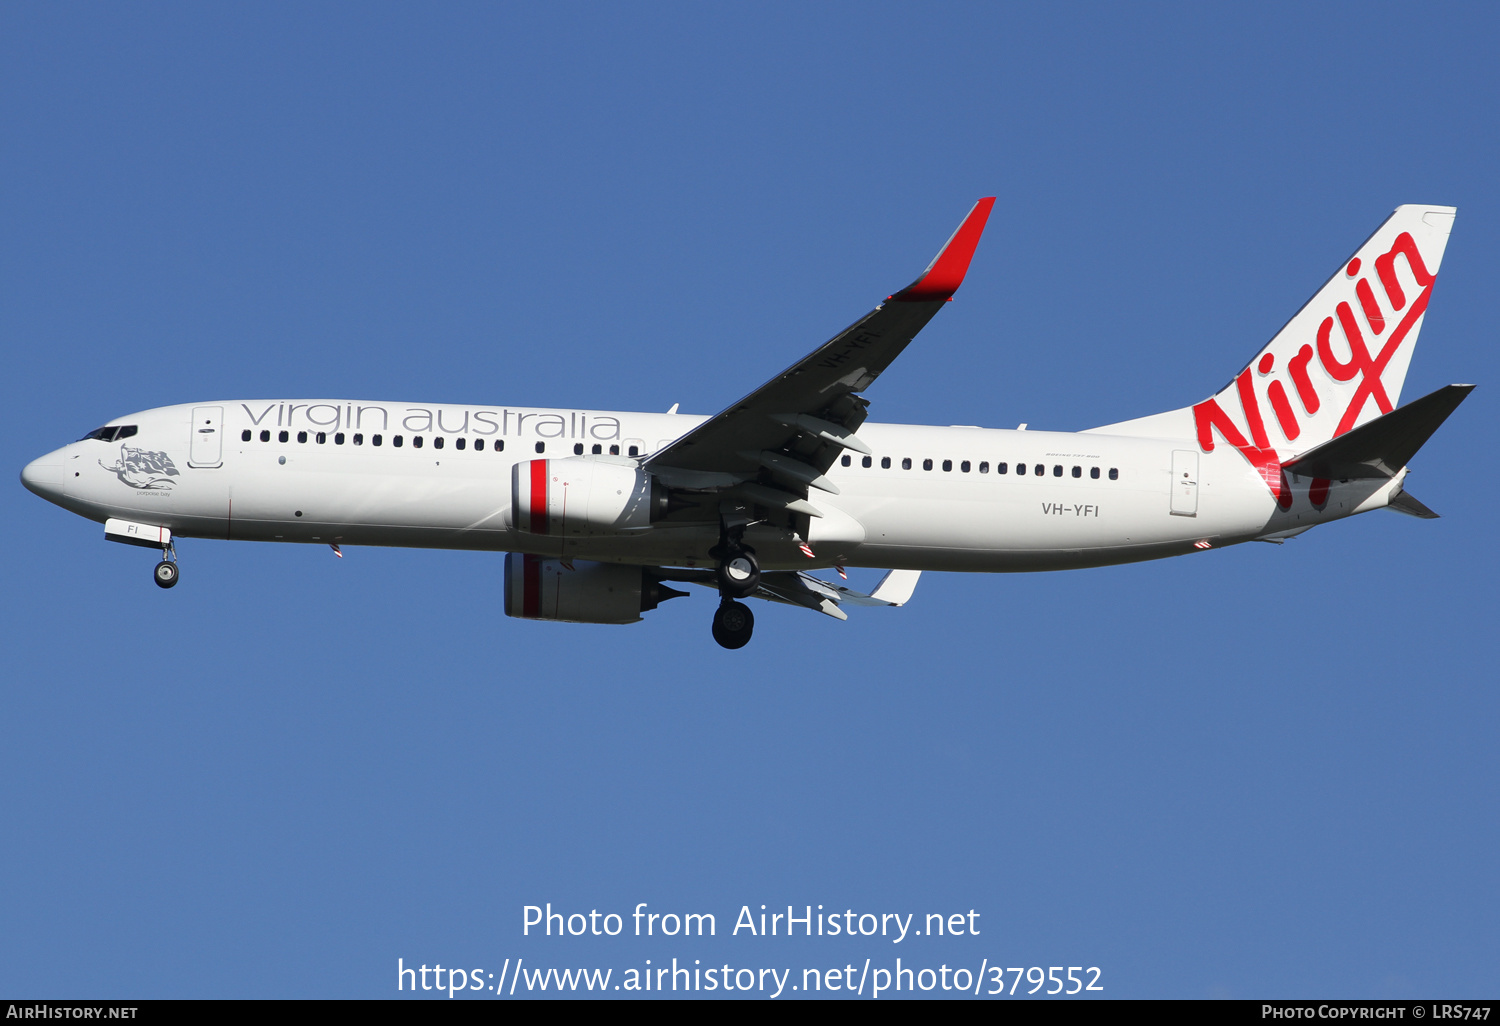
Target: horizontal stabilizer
[1404,503]
[1381,447]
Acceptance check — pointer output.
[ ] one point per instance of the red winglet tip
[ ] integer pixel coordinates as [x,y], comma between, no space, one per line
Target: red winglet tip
[946,272]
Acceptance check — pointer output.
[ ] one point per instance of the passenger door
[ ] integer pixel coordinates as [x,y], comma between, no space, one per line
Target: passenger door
[207,446]
[1184,483]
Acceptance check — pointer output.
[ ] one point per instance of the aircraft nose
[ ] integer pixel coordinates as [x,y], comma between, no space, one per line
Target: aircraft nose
[44,476]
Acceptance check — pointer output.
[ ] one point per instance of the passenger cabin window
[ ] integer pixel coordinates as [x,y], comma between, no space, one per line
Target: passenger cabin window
[541,447]
[397,441]
[906,463]
[614,450]
[321,438]
[926,464]
[265,436]
[437,443]
[845,461]
[1039,470]
[302,437]
[1020,469]
[964,466]
[478,444]
[577,448]
[634,450]
[359,439]
[245,435]
[1077,471]
[885,463]
[1002,468]
[984,466]
[947,466]
[1094,473]
[282,436]
[598,450]
[375,439]
[460,443]
[416,441]
[867,462]
[1114,474]
[499,445]
[1057,470]
[338,438]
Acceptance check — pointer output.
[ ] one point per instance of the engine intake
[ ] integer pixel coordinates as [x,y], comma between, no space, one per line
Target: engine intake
[580,590]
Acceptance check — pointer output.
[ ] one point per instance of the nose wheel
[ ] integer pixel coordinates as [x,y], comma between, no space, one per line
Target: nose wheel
[733,624]
[165,575]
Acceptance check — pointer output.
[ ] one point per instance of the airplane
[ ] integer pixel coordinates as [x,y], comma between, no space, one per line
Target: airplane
[600,512]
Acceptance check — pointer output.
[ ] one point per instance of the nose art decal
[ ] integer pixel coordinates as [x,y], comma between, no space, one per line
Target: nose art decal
[144,470]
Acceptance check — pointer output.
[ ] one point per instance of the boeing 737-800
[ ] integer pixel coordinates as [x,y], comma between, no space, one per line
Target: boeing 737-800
[600,512]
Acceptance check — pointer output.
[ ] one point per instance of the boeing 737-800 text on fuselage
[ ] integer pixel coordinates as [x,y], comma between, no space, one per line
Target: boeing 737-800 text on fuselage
[599,512]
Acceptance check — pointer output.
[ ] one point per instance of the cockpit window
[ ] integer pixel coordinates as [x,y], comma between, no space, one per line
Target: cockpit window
[112,433]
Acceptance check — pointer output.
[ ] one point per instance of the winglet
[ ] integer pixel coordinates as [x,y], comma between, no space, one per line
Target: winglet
[946,272]
[894,589]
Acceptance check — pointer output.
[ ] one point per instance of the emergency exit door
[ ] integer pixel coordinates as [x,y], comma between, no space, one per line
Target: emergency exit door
[1184,483]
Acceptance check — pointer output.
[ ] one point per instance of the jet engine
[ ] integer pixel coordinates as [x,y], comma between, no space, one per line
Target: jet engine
[580,590]
[583,496]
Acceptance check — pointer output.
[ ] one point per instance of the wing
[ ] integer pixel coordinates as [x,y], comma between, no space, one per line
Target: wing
[802,589]
[781,439]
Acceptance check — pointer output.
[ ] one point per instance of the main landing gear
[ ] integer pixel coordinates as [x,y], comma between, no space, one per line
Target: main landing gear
[738,575]
[165,575]
[733,624]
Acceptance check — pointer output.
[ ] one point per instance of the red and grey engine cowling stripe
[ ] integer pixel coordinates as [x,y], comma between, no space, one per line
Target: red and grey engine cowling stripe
[529,480]
[523,585]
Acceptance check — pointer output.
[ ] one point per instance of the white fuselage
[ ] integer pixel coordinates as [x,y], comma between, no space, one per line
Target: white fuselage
[932,498]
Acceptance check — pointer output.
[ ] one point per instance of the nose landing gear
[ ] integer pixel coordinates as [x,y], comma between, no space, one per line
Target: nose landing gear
[165,575]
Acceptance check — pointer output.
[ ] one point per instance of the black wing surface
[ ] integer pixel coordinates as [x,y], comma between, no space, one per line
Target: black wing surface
[782,438]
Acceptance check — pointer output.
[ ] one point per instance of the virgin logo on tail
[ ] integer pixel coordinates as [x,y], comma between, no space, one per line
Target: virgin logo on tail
[1341,350]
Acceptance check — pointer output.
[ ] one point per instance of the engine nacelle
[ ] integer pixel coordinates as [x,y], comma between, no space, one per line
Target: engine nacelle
[583,496]
[579,590]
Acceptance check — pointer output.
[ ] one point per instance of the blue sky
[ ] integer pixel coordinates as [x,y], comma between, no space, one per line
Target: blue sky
[1259,771]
